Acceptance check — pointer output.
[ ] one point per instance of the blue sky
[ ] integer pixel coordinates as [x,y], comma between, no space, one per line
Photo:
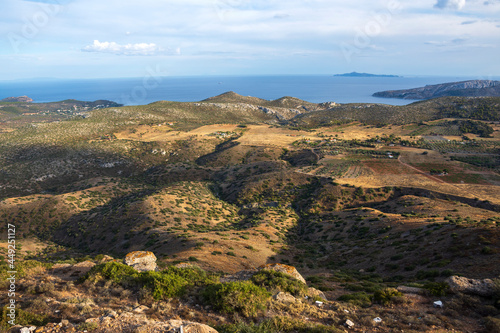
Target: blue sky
[125,38]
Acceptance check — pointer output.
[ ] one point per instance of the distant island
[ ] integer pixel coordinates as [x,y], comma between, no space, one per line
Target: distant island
[470,88]
[356,74]
[24,99]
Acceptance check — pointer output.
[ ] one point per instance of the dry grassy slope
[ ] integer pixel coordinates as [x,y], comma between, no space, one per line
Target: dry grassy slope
[380,114]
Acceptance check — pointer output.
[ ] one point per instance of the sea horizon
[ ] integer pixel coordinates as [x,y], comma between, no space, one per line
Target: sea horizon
[316,88]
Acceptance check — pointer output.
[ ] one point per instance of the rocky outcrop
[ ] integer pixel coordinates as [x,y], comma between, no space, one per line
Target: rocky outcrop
[313,292]
[471,88]
[460,284]
[142,261]
[290,270]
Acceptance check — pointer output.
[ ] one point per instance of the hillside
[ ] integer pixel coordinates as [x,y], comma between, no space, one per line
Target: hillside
[471,88]
[360,198]
[487,109]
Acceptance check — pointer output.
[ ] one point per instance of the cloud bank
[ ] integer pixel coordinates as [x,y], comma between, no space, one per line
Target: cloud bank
[140,49]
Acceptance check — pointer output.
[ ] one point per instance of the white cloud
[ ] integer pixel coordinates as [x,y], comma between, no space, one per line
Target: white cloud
[450,4]
[141,49]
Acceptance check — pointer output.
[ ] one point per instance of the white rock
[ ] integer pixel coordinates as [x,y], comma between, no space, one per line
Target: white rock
[349,323]
[377,320]
[438,304]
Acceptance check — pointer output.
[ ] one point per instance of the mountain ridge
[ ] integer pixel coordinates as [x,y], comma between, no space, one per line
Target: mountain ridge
[469,88]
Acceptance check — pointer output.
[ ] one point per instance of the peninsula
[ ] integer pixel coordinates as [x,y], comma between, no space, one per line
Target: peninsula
[471,88]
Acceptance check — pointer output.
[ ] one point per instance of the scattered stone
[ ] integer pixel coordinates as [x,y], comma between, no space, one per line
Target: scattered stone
[438,304]
[141,309]
[290,270]
[105,259]
[284,297]
[142,261]
[27,329]
[459,284]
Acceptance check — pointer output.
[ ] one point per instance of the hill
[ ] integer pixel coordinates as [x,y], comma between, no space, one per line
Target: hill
[487,109]
[471,88]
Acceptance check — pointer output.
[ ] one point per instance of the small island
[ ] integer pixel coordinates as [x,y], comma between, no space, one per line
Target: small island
[23,99]
[356,74]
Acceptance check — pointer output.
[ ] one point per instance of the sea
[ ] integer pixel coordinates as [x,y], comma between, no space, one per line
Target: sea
[149,89]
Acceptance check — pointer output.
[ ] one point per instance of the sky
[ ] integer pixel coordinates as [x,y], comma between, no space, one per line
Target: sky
[129,38]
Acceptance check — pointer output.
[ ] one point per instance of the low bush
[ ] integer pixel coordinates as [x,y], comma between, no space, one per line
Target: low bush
[437,288]
[386,296]
[241,297]
[277,324]
[360,299]
[24,318]
[163,285]
[173,282]
[277,281]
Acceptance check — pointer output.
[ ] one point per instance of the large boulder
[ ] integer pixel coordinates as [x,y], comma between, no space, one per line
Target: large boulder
[290,270]
[142,261]
[460,284]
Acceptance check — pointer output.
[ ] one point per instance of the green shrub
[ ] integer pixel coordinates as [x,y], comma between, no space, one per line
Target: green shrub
[194,275]
[114,271]
[437,288]
[386,296]
[278,281]
[277,324]
[360,299]
[163,285]
[88,326]
[24,318]
[173,282]
[242,297]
